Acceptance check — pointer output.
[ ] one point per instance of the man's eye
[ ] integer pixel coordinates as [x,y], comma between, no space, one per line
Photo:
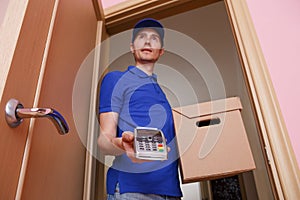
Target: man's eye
[141,36]
[155,38]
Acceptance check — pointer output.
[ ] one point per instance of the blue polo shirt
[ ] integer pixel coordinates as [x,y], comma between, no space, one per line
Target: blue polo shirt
[139,101]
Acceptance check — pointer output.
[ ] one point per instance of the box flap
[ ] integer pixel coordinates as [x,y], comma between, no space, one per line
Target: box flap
[210,107]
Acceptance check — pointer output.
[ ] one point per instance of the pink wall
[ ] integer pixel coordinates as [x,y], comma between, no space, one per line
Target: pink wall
[277,24]
[278,28]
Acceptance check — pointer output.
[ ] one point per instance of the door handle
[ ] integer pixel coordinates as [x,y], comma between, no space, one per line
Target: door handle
[15,112]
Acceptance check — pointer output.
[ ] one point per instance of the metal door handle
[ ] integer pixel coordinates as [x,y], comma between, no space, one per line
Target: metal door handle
[15,112]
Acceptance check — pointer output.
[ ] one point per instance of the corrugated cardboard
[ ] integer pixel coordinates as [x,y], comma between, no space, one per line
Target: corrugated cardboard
[212,140]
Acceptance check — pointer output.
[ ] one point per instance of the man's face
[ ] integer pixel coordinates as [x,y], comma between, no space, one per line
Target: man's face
[146,47]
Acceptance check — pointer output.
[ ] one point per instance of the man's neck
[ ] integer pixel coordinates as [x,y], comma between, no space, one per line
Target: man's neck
[147,68]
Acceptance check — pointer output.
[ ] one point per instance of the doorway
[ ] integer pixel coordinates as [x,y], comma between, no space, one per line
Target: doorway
[210,28]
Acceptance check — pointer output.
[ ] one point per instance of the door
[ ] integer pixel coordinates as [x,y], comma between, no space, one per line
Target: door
[36,161]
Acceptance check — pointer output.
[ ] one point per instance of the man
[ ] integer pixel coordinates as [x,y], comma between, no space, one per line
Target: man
[130,99]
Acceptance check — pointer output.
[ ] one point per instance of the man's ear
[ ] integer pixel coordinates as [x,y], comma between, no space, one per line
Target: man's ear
[131,48]
[162,51]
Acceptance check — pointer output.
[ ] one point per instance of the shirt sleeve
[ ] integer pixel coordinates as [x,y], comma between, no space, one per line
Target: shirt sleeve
[111,98]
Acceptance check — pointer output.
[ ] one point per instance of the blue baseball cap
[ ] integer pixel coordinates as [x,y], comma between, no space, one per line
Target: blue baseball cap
[149,23]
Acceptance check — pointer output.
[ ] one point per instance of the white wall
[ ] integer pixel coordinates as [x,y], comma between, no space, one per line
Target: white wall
[11,18]
[3,7]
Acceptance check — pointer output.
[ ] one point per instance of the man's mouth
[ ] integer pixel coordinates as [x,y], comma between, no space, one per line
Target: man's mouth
[146,50]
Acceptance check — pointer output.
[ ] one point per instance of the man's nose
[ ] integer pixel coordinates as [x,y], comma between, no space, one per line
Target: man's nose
[147,40]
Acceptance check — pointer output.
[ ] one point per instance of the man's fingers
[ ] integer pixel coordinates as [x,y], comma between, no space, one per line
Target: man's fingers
[127,137]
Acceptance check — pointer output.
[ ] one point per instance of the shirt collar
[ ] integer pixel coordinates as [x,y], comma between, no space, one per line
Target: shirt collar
[140,73]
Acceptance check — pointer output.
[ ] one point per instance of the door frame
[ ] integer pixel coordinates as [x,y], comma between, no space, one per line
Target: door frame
[94,189]
[278,149]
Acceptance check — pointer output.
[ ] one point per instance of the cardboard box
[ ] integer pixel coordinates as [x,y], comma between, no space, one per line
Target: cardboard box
[212,140]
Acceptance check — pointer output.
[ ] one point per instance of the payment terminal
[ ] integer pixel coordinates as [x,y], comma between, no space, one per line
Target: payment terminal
[150,144]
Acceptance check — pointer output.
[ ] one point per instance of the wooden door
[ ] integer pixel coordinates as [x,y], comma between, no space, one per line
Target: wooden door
[36,161]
